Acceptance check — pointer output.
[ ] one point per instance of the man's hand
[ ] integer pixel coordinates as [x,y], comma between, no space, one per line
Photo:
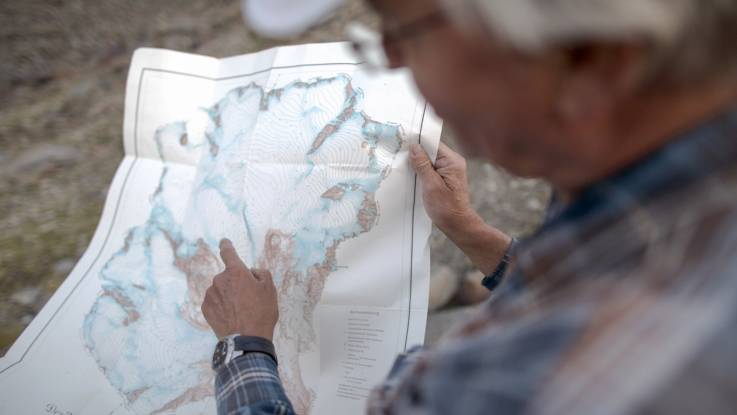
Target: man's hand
[444,187]
[446,198]
[240,301]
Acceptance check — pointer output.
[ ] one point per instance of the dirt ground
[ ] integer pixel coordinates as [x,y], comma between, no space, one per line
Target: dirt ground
[63,68]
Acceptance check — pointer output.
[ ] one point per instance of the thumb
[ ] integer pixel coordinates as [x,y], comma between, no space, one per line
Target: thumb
[422,165]
[229,255]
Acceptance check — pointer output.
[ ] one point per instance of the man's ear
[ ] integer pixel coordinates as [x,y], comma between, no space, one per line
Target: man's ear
[597,78]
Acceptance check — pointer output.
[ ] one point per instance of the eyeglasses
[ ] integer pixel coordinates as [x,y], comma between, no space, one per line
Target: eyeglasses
[373,48]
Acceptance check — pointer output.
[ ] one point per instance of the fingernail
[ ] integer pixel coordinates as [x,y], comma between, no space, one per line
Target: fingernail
[415,149]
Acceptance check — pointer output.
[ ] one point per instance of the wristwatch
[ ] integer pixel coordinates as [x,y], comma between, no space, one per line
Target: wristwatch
[235,345]
[493,280]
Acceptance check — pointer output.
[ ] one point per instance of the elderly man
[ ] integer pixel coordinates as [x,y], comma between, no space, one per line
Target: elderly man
[625,301]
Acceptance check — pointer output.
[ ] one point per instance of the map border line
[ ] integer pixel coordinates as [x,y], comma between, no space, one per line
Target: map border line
[412,234]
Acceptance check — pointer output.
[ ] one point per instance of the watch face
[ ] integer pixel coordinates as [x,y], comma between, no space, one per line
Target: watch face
[221,353]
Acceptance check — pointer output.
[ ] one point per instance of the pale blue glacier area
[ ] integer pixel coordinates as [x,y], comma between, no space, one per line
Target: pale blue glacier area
[287,174]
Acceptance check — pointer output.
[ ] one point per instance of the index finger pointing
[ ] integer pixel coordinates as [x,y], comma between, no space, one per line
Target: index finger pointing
[229,255]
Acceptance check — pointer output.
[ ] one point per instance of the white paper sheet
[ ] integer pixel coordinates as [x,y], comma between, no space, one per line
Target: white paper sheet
[299,156]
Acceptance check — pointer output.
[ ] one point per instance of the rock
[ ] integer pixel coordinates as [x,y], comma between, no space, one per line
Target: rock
[26,297]
[440,323]
[534,204]
[471,291]
[443,286]
[64,266]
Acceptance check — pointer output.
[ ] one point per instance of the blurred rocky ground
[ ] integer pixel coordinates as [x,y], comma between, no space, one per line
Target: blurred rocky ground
[63,67]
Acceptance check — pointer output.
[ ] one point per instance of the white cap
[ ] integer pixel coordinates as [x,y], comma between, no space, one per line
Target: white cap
[286,18]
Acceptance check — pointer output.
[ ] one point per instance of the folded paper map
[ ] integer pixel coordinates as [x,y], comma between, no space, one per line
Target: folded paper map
[299,155]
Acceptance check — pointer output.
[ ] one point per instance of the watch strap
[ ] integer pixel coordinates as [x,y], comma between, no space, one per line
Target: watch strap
[254,344]
[493,280]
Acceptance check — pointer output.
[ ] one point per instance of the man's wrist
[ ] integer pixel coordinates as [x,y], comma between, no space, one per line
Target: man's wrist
[491,281]
[234,346]
[484,245]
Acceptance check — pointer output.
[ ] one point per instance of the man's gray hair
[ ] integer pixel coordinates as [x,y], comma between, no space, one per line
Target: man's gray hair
[691,39]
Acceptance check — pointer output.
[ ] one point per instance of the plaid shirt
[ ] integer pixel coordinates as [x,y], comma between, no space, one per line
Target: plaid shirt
[250,385]
[625,301]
